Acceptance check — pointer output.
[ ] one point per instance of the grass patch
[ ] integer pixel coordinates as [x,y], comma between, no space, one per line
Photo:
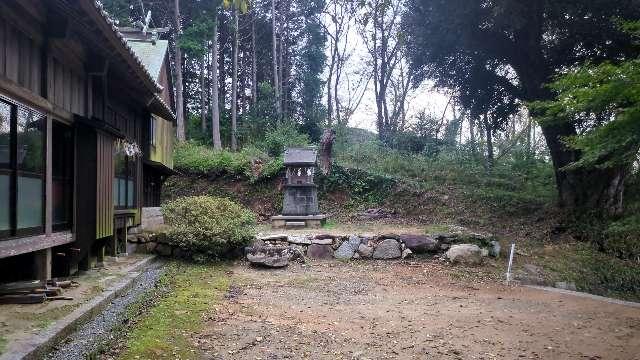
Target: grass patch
[165,329]
[3,344]
[438,229]
[330,225]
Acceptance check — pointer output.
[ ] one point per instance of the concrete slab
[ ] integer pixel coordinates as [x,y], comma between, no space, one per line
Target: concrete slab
[39,344]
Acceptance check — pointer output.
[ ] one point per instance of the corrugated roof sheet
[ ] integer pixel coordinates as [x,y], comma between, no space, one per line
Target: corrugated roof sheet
[152,55]
[300,156]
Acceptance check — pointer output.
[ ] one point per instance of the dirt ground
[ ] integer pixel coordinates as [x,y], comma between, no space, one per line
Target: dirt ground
[407,310]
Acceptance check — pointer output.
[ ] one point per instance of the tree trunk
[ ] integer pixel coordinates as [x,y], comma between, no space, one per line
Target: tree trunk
[489,137]
[215,105]
[583,189]
[472,137]
[276,82]
[223,38]
[326,149]
[254,62]
[179,82]
[234,85]
[329,89]
[203,97]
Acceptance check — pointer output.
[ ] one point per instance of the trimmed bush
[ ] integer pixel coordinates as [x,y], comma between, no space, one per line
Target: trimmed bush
[205,227]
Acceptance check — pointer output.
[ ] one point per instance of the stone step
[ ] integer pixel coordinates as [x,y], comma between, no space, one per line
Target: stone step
[295,224]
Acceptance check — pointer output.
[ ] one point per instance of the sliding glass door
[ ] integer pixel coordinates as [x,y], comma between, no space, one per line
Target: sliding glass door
[21,169]
[5,169]
[62,177]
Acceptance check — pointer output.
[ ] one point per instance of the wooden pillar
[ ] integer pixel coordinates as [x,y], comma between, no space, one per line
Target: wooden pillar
[114,242]
[42,264]
[48,193]
[100,254]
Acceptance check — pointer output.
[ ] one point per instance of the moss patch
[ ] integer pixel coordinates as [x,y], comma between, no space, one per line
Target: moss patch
[164,331]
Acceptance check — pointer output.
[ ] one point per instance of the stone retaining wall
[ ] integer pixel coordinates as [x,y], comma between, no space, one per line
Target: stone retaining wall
[457,247]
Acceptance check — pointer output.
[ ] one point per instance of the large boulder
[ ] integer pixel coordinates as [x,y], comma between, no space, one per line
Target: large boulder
[274,237]
[387,249]
[264,260]
[495,249]
[322,241]
[269,256]
[365,251]
[419,243]
[348,248]
[468,254]
[317,251]
[299,240]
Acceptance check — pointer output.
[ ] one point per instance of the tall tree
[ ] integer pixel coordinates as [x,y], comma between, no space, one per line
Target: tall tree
[237,7]
[179,83]
[379,26]
[274,40]
[525,45]
[234,85]
[215,104]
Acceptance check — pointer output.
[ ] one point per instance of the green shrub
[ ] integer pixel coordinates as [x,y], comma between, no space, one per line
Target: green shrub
[194,158]
[205,227]
[622,237]
[283,136]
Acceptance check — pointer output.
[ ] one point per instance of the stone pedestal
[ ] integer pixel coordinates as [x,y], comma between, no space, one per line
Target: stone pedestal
[299,221]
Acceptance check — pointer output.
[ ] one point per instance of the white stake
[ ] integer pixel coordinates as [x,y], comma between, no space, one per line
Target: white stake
[513,250]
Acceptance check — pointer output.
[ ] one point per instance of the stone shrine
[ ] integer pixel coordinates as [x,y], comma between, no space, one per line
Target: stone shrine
[300,205]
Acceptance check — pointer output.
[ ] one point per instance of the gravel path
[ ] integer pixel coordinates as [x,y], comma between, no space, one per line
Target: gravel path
[98,332]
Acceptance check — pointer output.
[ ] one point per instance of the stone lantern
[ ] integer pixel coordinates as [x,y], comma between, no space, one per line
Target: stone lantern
[300,205]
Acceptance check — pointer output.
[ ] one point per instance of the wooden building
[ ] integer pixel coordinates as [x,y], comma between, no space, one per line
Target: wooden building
[86,133]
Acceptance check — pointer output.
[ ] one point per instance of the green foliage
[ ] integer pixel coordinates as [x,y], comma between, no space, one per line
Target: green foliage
[363,187]
[514,184]
[283,136]
[596,272]
[622,237]
[207,227]
[605,101]
[194,158]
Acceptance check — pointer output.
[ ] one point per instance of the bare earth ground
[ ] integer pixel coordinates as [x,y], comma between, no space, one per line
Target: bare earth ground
[407,310]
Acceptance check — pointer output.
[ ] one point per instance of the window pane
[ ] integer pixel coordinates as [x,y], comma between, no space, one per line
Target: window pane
[115,193]
[5,135]
[123,192]
[62,167]
[130,197]
[30,158]
[4,203]
[29,202]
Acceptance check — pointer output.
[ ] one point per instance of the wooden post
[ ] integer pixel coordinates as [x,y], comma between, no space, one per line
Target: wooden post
[42,264]
[48,216]
[114,242]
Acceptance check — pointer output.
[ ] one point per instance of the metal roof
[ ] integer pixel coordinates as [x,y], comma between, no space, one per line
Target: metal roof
[300,156]
[152,54]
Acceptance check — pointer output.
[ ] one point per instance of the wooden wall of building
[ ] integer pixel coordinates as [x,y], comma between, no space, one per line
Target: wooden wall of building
[67,87]
[162,151]
[20,53]
[104,186]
